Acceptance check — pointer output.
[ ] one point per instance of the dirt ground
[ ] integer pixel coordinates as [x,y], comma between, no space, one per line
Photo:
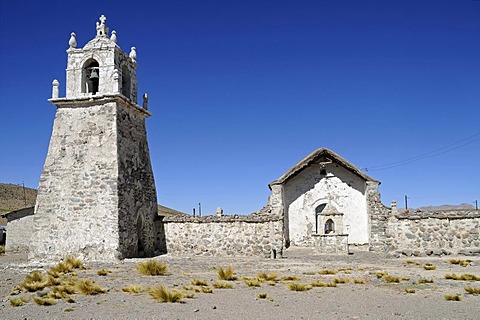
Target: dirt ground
[373,299]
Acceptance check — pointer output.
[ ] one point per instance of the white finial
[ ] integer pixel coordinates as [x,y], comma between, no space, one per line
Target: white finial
[113,37]
[102,30]
[145,101]
[55,85]
[133,54]
[73,40]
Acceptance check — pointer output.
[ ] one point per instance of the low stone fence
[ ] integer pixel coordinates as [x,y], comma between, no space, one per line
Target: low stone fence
[235,235]
[437,233]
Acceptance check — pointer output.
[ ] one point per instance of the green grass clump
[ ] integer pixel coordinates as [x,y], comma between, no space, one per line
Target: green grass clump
[152,268]
[425,280]
[472,290]
[226,274]
[359,281]
[295,286]
[103,272]
[199,282]
[35,281]
[44,301]
[456,297]
[132,289]
[290,278]
[88,287]
[410,290]
[463,263]
[222,285]
[327,271]
[267,277]
[429,266]
[341,280]
[252,282]
[262,296]
[16,302]
[463,277]
[162,294]
[391,279]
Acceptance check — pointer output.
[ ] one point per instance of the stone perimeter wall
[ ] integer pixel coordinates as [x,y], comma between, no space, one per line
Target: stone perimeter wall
[437,233]
[224,236]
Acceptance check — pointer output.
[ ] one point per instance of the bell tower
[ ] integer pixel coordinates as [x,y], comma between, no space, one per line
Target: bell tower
[96,196]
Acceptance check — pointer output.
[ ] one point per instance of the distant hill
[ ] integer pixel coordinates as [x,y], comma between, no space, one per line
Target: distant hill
[12,197]
[463,206]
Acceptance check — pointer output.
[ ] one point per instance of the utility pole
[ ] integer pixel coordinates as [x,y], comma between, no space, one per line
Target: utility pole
[476,205]
[406,203]
[194,212]
[199,209]
[24,194]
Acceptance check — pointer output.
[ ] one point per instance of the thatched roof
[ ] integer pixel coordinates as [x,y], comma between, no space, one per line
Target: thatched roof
[320,155]
[168,212]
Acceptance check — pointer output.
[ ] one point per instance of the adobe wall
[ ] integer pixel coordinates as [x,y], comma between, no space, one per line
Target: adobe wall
[444,232]
[253,235]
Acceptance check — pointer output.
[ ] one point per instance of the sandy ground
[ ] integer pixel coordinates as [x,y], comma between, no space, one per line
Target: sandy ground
[376,299]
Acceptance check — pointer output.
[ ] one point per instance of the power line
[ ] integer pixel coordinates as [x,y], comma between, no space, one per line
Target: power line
[434,153]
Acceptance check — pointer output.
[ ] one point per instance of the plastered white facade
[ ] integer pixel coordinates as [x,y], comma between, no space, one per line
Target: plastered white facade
[338,188]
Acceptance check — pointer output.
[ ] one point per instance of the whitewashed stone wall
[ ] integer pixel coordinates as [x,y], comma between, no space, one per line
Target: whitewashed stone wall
[224,236]
[447,232]
[19,233]
[341,188]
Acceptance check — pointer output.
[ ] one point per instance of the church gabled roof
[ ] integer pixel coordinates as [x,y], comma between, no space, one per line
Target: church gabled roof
[315,156]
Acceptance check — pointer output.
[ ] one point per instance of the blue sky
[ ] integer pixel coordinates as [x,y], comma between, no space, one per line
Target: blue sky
[240,91]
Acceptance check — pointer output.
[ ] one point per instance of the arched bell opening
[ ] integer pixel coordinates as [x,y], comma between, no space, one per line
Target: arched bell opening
[90,77]
[126,82]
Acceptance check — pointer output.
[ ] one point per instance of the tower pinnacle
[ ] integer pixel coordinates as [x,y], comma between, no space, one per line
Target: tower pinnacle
[102,30]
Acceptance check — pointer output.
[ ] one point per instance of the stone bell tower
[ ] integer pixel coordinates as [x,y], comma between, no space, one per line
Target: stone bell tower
[96,197]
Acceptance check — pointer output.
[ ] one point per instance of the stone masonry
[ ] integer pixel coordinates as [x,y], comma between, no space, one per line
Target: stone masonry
[96,197]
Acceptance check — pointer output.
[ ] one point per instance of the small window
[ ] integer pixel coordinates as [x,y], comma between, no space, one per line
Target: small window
[323,172]
[329,226]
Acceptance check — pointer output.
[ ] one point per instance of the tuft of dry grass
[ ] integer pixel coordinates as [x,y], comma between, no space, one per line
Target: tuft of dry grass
[152,268]
[35,281]
[222,285]
[162,294]
[327,272]
[341,280]
[44,301]
[472,290]
[410,262]
[381,274]
[262,296]
[16,302]
[410,290]
[252,282]
[318,284]
[206,290]
[295,286]
[391,279]
[132,289]
[463,263]
[2,250]
[463,277]
[425,280]
[456,297]
[359,281]
[188,295]
[226,274]
[103,272]
[267,277]
[199,282]
[429,266]
[88,287]
[291,278]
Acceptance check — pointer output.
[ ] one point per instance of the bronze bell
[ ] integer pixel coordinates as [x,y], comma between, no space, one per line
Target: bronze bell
[94,75]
